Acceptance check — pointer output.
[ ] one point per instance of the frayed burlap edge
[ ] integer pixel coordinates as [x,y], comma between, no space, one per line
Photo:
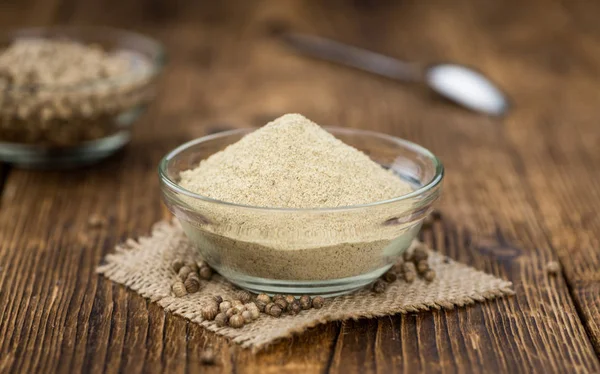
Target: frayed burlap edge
[144,266]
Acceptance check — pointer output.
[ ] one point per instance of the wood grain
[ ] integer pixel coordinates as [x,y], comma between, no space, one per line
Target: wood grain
[519,192]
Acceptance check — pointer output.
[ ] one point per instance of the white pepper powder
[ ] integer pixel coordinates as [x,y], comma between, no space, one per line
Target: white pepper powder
[293,163]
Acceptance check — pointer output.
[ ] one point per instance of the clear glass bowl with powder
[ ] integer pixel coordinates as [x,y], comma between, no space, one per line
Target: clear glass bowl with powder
[49,121]
[322,251]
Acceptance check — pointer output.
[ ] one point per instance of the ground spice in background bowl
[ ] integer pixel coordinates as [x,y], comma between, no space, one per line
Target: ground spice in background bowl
[294,209]
[69,95]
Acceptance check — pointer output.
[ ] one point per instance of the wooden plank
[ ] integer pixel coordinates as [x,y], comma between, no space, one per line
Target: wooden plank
[227,71]
[557,151]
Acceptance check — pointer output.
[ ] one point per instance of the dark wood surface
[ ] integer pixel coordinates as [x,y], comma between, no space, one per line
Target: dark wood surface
[520,191]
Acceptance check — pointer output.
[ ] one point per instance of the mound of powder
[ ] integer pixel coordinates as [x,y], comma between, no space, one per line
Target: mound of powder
[293,163]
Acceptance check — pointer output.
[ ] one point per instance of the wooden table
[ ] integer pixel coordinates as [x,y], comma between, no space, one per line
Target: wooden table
[519,192]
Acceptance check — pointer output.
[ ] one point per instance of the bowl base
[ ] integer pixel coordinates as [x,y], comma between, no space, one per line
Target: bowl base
[324,288]
[36,157]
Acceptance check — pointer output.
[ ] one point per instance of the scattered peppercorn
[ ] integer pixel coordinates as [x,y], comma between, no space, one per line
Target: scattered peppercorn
[290,299]
[218,299]
[179,289]
[390,277]
[294,307]
[261,305]
[251,305]
[281,303]
[268,308]
[205,273]
[409,271]
[207,357]
[275,310]
[420,254]
[224,306]
[247,315]
[429,275]
[177,265]
[263,298]
[184,272]
[192,285]
[236,321]
[221,319]
[397,267]
[244,296]
[231,312]
[254,312]
[553,268]
[193,266]
[210,312]
[379,286]
[422,266]
[317,302]
[305,302]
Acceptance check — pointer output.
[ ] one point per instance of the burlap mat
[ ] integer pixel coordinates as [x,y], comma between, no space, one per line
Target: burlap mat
[144,266]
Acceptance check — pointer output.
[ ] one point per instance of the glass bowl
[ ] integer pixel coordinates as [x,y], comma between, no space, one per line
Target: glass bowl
[64,125]
[324,251]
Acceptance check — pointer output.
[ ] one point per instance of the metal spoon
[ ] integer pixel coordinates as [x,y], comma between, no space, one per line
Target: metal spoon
[458,83]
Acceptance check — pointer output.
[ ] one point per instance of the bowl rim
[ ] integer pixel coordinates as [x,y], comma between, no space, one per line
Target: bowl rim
[157,63]
[427,187]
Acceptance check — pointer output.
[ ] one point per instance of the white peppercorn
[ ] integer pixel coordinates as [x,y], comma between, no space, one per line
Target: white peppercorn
[210,312]
[205,273]
[244,296]
[221,319]
[192,284]
[389,277]
[422,266]
[379,286]
[231,312]
[294,307]
[281,303]
[263,298]
[275,311]
[178,289]
[261,305]
[184,271]
[429,275]
[305,302]
[176,265]
[236,321]
[317,302]
[247,315]
[225,306]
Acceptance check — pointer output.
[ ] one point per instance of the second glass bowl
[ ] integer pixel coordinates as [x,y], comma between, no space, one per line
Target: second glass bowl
[58,125]
[320,251]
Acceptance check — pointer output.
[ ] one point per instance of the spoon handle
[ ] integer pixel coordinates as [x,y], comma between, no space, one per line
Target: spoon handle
[372,62]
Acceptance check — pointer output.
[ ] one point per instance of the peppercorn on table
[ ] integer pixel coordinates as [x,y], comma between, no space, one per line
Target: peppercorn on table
[520,199]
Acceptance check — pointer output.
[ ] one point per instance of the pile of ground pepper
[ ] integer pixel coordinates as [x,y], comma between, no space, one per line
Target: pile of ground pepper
[294,163]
